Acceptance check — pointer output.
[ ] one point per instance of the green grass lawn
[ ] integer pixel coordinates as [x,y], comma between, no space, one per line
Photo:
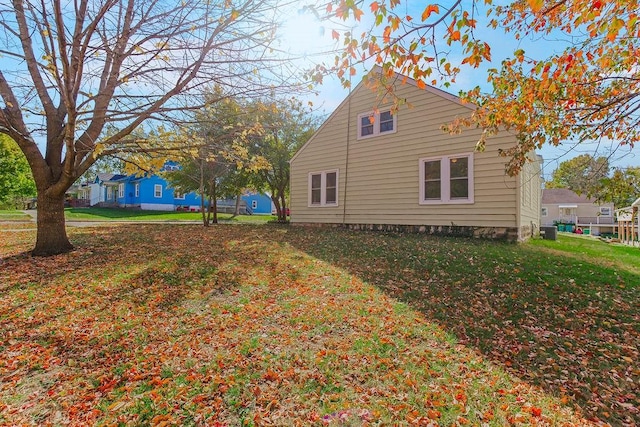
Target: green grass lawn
[273,325]
[11,215]
[591,249]
[108,214]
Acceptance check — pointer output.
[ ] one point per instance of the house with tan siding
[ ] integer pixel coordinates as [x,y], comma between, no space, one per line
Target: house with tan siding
[369,168]
[562,206]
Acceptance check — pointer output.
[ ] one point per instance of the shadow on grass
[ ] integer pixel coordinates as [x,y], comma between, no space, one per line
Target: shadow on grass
[97,305]
[567,325]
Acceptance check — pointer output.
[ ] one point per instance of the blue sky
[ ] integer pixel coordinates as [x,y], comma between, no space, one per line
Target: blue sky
[307,35]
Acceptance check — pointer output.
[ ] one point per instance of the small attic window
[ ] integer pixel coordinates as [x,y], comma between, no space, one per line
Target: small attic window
[373,123]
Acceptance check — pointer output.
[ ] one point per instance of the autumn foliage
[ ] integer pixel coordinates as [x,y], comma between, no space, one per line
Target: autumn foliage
[259,325]
[587,91]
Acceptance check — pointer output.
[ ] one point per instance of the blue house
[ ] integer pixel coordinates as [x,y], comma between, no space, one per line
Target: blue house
[152,192]
[258,203]
[143,192]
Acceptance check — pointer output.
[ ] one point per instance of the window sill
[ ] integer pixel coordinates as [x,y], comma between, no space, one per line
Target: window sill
[323,206]
[374,135]
[446,202]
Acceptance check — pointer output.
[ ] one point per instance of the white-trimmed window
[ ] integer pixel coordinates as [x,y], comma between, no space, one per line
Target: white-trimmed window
[605,211]
[120,190]
[254,204]
[178,195]
[137,189]
[566,211]
[157,191]
[376,123]
[447,179]
[323,188]
[545,211]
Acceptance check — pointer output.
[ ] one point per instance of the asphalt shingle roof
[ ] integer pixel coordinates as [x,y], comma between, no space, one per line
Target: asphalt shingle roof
[554,196]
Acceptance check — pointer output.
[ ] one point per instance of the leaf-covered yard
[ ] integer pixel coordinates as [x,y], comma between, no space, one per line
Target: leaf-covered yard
[263,325]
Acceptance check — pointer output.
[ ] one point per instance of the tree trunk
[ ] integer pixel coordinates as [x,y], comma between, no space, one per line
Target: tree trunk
[205,215]
[276,203]
[214,197]
[283,207]
[236,211]
[52,234]
[205,211]
[209,214]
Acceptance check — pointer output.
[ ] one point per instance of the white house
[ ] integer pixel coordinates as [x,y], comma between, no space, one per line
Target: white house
[563,206]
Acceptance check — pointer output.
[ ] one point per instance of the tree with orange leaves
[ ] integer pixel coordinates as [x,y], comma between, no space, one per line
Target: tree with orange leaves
[588,91]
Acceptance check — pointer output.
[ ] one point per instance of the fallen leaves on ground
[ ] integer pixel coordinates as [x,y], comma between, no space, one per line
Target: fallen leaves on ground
[565,322]
[260,325]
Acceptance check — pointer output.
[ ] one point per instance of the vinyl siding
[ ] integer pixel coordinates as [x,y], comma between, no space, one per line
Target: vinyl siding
[530,197]
[582,210]
[382,180]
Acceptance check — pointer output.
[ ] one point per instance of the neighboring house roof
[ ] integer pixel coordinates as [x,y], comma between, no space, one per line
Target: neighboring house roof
[555,196]
[73,189]
[104,177]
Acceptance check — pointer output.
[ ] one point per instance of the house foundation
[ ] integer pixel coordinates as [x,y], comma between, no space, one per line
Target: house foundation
[509,234]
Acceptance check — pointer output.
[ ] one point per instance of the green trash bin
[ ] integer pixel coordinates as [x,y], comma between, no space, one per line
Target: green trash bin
[560,227]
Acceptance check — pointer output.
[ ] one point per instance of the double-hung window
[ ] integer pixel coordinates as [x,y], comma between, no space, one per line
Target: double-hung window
[178,195]
[137,189]
[157,191]
[446,180]
[323,188]
[605,211]
[120,190]
[376,123]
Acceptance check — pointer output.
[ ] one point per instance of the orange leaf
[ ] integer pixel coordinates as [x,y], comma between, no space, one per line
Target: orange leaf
[335,35]
[433,414]
[455,35]
[271,375]
[421,84]
[429,10]
[535,5]
[374,6]
[487,52]
[386,35]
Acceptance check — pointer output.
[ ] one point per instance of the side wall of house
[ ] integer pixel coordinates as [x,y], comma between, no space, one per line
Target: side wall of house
[258,203]
[530,198]
[382,180]
[326,151]
[166,201]
[96,194]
